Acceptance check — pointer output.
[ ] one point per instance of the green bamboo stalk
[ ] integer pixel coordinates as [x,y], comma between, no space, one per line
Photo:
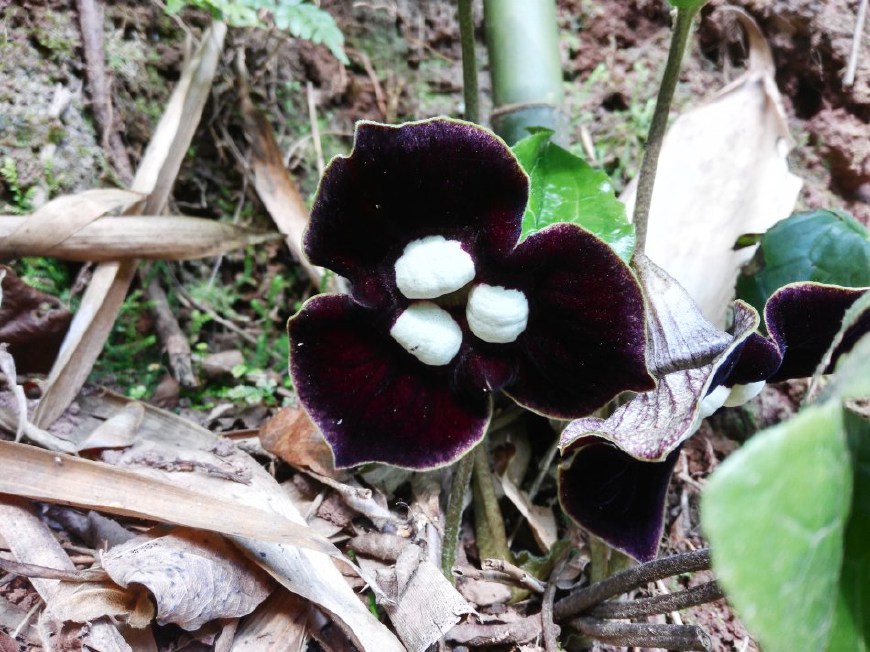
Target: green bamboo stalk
[523,42]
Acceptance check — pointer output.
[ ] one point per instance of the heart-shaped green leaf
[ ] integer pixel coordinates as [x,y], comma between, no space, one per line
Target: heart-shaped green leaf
[823,246]
[775,513]
[564,188]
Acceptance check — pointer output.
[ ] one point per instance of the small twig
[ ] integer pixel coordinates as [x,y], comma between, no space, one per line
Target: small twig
[633,578]
[670,637]
[91,23]
[47,573]
[517,574]
[849,77]
[380,98]
[173,338]
[453,518]
[551,630]
[659,604]
[315,128]
[675,615]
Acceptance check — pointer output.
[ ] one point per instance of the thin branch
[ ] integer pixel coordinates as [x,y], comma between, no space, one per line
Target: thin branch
[91,24]
[670,637]
[469,61]
[633,578]
[646,181]
[849,77]
[659,604]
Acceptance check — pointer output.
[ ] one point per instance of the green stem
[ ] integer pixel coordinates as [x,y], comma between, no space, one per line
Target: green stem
[461,479]
[679,39]
[469,61]
[489,523]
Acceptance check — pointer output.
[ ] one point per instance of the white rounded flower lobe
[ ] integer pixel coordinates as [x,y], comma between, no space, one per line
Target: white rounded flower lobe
[432,267]
[428,332]
[497,314]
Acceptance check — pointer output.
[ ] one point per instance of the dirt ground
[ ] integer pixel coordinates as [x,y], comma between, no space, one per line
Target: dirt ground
[405,63]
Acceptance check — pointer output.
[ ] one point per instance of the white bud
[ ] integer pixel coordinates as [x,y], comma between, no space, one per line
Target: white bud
[432,267]
[428,332]
[741,394]
[496,314]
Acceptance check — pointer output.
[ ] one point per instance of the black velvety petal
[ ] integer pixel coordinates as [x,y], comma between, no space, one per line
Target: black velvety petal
[372,401]
[436,177]
[585,340]
[803,319]
[617,498]
[755,361]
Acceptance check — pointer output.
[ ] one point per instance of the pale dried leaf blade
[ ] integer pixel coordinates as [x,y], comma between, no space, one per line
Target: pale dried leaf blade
[118,430]
[61,218]
[292,436]
[280,624]
[40,475]
[109,284]
[195,577]
[7,368]
[541,520]
[170,237]
[722,172]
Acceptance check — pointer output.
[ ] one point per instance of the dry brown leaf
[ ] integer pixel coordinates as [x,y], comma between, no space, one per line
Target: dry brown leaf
[424,605]
[155,176]
[274,186]
[32,323]
[59,219]
[305,572]
[194,576]
[293,437]
[280,624]
[31,542]
[152,237]
[41,475]
[542,520]
[722,172]
[117,431]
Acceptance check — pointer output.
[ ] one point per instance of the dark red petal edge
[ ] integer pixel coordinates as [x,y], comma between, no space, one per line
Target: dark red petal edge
[586,340]
[400,183]
[617,498]
[803,319]
[372,401]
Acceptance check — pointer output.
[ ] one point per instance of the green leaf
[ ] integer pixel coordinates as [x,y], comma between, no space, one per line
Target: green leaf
[851,630]
[564,188]
[822,246]
[310,22]
[694,5]
[775,514]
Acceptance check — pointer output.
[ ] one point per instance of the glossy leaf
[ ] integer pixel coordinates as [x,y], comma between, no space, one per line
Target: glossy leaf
[822,246]
[776,529]
[851,630]
[564,188]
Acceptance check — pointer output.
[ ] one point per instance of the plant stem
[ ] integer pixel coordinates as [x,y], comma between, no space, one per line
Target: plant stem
[659,604]
[469,61]
[633,578]
[461,479]
[670,637]
[489,523]
[646,181]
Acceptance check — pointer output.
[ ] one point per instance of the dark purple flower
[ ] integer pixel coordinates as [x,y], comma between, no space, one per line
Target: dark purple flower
[446,306]
[614,482]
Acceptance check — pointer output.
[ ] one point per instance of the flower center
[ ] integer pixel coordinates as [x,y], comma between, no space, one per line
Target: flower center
[432,267]
[497,314]
[428,332]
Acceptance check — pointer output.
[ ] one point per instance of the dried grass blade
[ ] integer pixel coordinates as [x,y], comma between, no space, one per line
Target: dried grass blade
[276,189]
[60,218]
[33,473]
[173,237]
[110,282]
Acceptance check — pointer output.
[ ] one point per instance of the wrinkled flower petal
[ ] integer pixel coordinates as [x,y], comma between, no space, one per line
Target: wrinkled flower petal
[371,400]
[585,338]
[399,184]
[639,442]
[617,498]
